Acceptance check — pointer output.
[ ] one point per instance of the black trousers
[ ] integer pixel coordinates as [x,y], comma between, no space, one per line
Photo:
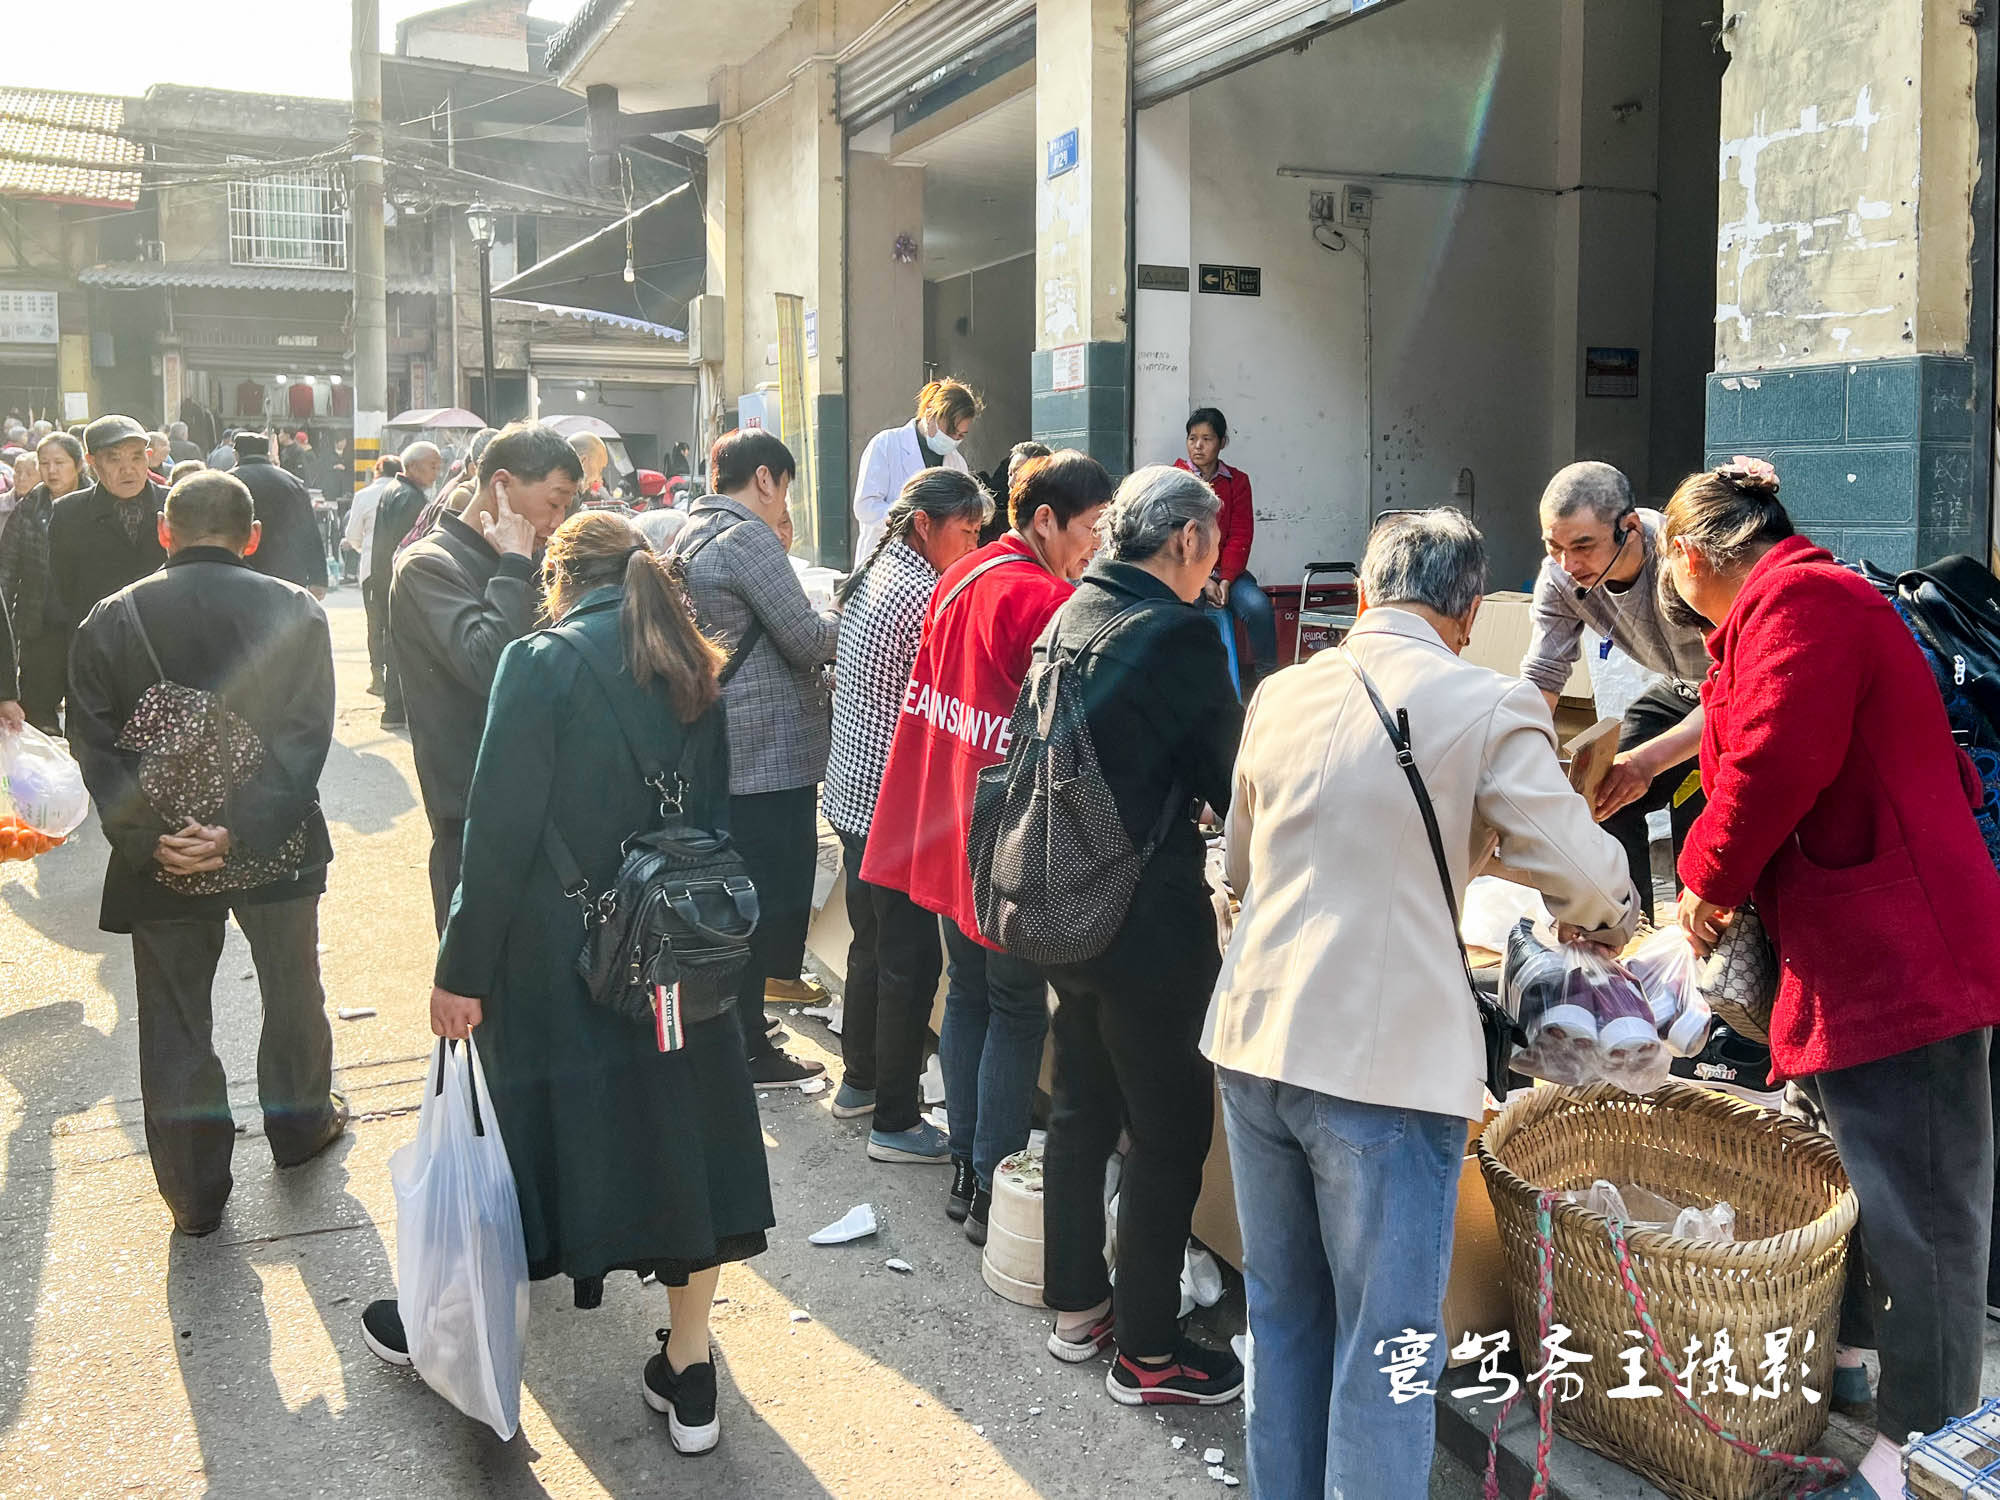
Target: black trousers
[44,679]
[375,601]
[1127,1034]
[777,833]
[1660,708]
[893,965]
[1915,1132]
[189,1131]
[447,852]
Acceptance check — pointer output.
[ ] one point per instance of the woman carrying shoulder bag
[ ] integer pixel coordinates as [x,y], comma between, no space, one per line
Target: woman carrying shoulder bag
[625,1156]
[1127,1025]
[1837,797]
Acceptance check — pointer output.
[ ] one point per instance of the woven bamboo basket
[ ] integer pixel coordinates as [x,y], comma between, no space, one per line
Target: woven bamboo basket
[1794,1209]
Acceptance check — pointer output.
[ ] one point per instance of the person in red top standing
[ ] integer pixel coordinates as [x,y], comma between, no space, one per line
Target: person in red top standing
[978,634]
[1837,797]
[1232,586]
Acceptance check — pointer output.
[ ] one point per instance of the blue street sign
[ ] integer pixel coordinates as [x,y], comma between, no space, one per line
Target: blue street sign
[1062,153]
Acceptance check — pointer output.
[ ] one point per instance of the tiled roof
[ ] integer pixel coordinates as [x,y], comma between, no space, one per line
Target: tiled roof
[582,28]
[66,146]
[214,274]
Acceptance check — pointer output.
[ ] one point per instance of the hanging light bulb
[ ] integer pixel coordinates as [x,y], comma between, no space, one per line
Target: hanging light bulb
[628,272]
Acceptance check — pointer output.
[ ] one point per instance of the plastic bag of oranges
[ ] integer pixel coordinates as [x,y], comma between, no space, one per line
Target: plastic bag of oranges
[42,797]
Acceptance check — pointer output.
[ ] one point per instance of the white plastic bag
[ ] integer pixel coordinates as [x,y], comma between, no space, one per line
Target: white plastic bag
[1492,906]
[1663,962]
[461,1261]
[1587,1020]
[43,781]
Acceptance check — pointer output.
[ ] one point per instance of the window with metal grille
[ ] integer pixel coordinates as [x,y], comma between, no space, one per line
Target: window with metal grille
[296,219]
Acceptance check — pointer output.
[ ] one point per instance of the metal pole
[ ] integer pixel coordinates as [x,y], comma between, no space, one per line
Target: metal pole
[492,402]
[371,318]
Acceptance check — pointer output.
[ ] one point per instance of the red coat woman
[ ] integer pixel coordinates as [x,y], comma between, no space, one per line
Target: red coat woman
[1838,799]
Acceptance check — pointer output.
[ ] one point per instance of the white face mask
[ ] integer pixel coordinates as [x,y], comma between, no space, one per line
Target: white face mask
[942,443]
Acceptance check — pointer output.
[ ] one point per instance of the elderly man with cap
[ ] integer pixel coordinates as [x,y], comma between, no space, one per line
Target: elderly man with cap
[1602,570]
[106,536]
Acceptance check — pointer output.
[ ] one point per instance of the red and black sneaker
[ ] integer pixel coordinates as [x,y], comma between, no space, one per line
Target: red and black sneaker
[1086,1344]
[1195,1376]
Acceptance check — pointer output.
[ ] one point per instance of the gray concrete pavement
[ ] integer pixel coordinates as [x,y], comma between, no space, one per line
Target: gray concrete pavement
[136,1362]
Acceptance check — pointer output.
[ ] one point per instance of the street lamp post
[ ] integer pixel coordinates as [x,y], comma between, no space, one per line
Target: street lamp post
[479,220]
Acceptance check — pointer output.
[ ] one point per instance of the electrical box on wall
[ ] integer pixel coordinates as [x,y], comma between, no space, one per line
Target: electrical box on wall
[1357,205]
[1323,208]
[704,329]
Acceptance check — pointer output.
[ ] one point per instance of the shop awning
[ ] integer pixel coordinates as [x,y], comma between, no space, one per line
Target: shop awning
[137,274]
[669,255]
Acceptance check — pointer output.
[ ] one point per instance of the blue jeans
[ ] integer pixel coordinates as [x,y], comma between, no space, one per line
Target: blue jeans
[996,1014]
[1347,1214]
[1252,606]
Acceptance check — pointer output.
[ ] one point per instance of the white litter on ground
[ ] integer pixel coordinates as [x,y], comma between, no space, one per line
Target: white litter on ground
[830,1013]
[1212,1456]
[800,1315]
[813,1086]
[938,1118]
[857,1223]
[355,1012]
[1215,1471]
[897,1263]
[933,1081]
[1179,1442]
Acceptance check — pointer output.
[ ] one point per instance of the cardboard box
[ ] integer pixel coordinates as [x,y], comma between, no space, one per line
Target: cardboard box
[1475,1298]
[1500,639]
[1215,1211]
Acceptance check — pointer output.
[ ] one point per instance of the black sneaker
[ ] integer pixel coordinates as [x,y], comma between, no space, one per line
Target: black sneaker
[780,1070]
[975,1215]
[382,1332]
[687,1400]
[1195,1376]
[963,1186]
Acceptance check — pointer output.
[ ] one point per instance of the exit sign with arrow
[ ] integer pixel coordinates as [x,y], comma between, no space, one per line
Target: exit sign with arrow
[1233,281]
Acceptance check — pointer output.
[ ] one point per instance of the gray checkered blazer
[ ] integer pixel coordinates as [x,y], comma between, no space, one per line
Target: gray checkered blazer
[776,709]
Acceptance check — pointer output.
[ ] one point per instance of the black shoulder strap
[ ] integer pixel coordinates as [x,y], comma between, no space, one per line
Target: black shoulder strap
[753,635]
[986,567]
[131,612]
[1398,730]
[637,737]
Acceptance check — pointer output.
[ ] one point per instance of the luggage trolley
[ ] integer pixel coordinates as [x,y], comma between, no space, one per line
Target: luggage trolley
[1330,614]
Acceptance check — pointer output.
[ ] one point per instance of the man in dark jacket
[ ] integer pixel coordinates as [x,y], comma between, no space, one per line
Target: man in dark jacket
[458,598]
[292,548]
[210,622]
[104,537]
[395,513]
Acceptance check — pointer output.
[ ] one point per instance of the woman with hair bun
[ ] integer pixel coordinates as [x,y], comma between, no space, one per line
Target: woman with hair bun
[946,410]
[1839,800]
[626,1157]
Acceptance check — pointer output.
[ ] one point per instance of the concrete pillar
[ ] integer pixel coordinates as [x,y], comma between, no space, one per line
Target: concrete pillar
[1843,272]
[1607,144]
[1162,318]
[823,142]
[1082,83]
[885,307]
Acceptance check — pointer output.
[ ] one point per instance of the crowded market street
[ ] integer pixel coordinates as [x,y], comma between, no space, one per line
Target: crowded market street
[137,1362]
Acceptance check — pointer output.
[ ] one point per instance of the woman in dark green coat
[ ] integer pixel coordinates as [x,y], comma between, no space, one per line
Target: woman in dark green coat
[625,1157]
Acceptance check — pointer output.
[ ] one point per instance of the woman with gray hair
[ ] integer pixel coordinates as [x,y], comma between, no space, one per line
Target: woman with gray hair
[894,957]
[1156,686]
[1347,1043]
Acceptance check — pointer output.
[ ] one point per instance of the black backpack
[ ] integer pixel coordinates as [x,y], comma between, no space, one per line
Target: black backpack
[1053,867]
[1952,607]
[666,939]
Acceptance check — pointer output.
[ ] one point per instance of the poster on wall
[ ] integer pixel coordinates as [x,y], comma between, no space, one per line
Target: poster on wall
[28,318]
[1611,372]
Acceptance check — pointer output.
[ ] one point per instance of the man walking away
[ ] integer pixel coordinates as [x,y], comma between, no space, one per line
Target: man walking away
[223,454]
[292,548]
[395,513]
[749,600]
[457,598]
[211,623]
[180,448]
[374,587]
[105,537]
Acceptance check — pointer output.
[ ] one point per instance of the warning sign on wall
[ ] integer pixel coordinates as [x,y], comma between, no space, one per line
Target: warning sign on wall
[1610,372]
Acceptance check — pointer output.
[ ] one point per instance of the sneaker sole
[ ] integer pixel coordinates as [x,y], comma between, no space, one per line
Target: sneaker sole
[1076,1354]
[687,1440]
[382,1351]
[852,1111]
[896,1153]
[1124,1395]
[789,1083]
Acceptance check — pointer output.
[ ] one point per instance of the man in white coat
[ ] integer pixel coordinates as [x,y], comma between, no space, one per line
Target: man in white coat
[1346,1043]
[946,410]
